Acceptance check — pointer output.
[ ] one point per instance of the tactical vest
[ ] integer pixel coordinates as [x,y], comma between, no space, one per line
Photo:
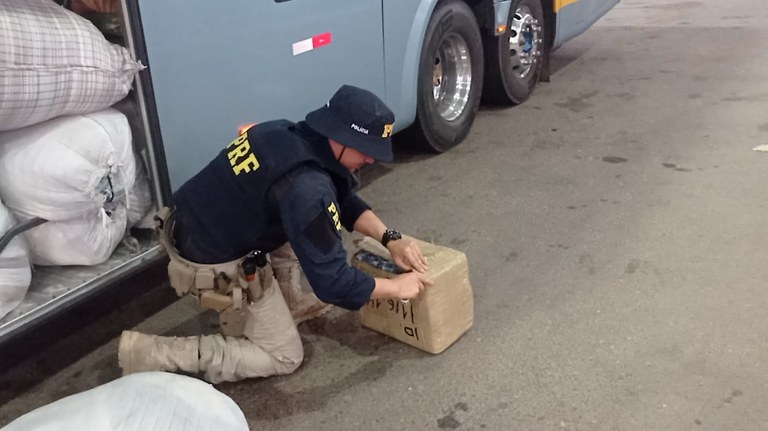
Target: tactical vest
[228,198]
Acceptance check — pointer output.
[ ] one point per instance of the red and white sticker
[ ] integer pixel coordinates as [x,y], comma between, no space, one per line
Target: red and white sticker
[306,45]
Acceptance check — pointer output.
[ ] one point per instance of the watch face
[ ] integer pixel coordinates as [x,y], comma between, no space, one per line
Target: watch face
[390,235]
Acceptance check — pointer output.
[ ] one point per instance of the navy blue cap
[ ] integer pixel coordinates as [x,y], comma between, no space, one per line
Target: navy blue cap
[358,119]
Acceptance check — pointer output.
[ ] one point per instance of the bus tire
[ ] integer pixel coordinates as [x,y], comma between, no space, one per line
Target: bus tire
[450,78]
[513,61]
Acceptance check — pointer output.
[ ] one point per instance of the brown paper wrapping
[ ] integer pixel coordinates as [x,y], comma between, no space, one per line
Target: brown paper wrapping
[440,315]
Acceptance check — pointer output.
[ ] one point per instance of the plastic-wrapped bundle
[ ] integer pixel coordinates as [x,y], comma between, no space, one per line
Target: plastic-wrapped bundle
[74,171]
[15,273]
[378,262]
[54,62]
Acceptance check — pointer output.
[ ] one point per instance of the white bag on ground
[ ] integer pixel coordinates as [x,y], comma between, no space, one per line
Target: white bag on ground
[152,401]
[75,172]
[54,62]
[15,273]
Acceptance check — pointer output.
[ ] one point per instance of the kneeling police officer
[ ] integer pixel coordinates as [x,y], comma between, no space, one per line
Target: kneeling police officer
[272,202]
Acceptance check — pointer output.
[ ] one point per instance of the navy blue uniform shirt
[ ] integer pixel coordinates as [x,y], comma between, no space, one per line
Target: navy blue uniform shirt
[279,182]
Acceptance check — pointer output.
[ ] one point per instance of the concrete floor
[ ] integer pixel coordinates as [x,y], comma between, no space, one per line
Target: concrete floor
[615,229]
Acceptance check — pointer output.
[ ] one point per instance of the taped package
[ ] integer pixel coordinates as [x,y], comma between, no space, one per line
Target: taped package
[440,315]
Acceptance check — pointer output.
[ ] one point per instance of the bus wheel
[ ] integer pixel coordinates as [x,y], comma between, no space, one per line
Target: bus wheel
[450,77]
[514,59]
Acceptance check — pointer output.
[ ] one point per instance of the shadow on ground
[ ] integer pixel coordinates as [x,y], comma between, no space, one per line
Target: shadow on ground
[39,352]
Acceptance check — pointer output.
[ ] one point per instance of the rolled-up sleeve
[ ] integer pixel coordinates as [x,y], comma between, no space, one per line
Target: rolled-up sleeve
[312,219]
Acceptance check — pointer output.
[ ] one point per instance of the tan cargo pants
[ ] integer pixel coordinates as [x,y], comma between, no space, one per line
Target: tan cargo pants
[259,337]
[270,344]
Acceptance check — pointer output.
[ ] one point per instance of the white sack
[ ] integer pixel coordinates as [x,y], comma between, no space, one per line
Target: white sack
[74,171]
[67,167]
[54,62]
[152,401]
[15,273]
[85,241]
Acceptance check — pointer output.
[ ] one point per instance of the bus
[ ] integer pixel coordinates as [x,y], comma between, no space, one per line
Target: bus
[214,66]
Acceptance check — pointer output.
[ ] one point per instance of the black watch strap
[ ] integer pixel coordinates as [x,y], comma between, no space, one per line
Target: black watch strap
[390,235]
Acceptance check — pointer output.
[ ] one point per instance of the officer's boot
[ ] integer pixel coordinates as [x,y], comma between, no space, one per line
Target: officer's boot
[303,305]
[142,352]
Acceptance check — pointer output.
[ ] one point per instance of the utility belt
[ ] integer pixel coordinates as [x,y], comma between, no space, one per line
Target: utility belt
[226,287]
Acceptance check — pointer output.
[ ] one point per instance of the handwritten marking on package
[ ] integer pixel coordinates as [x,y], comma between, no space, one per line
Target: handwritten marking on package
[396,308]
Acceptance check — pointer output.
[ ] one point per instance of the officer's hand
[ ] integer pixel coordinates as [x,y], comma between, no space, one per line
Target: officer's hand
[407,255]
[411,284]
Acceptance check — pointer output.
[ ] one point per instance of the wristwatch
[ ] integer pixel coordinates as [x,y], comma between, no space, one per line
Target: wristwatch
[390,235]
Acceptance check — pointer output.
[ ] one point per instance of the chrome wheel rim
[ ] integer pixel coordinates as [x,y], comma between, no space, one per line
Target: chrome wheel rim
[525,42]
[451,77]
